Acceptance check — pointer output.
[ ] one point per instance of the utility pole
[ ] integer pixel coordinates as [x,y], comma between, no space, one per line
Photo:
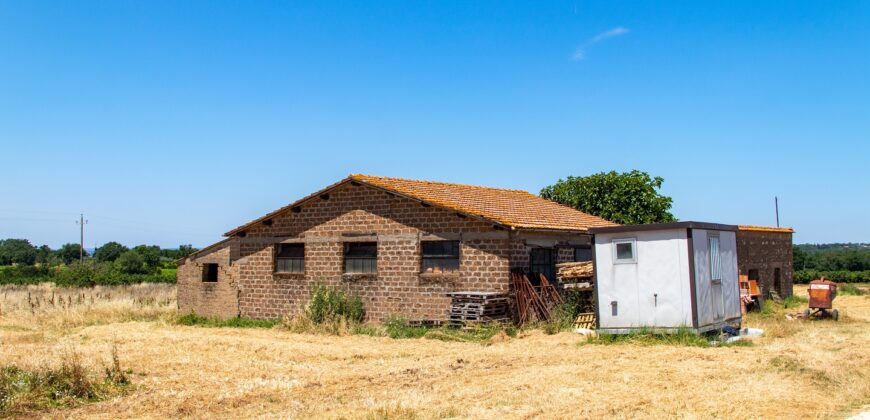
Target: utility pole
[776,204]
[81,222]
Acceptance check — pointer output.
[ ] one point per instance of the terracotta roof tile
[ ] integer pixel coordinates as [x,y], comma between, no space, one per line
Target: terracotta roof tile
[515,208]
[765,229]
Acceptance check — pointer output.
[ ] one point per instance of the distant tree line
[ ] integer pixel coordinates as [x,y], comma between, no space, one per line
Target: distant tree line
[113,263]
[848,263]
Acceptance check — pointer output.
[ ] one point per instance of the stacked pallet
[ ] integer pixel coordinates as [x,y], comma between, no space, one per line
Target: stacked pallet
[477,307]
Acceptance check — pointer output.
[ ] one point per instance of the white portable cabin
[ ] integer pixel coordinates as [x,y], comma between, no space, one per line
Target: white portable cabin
[666,276]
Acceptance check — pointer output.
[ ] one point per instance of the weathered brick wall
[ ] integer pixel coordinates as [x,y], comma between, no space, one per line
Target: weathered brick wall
[396,223]
[564,255]
[766,251]
[214,300]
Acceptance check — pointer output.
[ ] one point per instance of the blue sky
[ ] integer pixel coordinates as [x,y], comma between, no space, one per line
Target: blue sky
[173,122]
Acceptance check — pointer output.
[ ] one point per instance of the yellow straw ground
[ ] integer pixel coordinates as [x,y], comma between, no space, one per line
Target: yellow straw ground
[800,369]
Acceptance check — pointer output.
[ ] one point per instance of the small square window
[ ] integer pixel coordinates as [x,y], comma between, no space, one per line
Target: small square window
[440,256]
[624,251]
[290,258]
[210,272]
[715,258]
[360,257]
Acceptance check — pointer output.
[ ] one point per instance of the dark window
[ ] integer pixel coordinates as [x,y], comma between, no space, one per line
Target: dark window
[541,262]
[753,274]
[210,272]
[360,257]
[777,282]
[290,258]
[440,256]
[583,253]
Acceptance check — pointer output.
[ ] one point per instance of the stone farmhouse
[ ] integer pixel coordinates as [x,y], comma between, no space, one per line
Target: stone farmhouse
[401,245]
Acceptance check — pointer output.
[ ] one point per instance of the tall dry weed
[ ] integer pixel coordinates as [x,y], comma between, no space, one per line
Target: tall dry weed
[48,306]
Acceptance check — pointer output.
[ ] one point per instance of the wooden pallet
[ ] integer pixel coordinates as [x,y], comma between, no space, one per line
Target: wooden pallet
[585,320]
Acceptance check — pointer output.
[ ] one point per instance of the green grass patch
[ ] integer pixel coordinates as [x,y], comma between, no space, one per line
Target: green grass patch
[648,337]
[794,301]
[238,322]
[399,328]
[846,289]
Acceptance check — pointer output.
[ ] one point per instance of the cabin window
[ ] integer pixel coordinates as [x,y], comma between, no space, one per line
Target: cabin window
[715,259]
[440,256]
[290,258]
[542,261]
[625,251]
[360,257]
[582,253]
[209,272]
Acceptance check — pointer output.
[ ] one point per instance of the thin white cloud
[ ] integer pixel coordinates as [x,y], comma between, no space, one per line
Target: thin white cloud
[580,52]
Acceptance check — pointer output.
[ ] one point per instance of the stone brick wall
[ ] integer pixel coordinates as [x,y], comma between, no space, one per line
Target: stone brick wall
[364,214]
[765,252]
[214,300]
[564,255]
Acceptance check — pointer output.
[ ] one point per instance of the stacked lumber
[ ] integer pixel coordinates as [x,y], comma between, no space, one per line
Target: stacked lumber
[477,307]
[572,271]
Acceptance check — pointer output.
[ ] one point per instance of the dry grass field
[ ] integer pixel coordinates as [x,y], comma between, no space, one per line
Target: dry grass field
[798,369]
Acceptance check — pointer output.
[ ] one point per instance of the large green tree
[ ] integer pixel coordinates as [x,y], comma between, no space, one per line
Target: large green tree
[69,253]
[627,198]
[44,255]
[150,255]
[17,251]
[131,262]
[110,251]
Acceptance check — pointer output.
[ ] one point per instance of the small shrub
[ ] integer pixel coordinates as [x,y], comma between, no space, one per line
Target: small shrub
[562,318]
[328,304]
[23,391]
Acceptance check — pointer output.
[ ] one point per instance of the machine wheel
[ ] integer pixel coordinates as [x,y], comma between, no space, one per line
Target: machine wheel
[835,314]
[806,313]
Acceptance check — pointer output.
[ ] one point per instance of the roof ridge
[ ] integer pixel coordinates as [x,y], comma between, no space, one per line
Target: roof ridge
[362,177]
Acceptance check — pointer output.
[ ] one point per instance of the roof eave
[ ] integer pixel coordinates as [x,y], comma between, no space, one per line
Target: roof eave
[288,207]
